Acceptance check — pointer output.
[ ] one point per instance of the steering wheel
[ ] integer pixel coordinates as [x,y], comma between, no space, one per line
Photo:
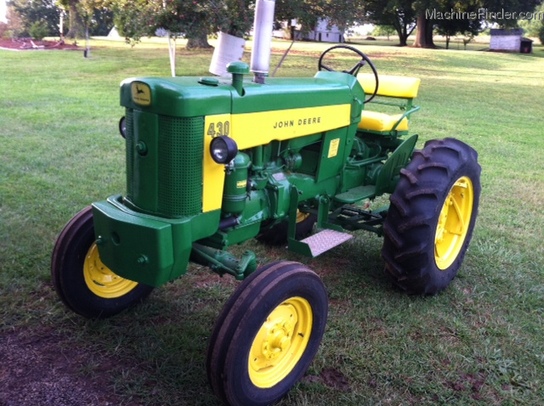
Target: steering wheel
[355,69]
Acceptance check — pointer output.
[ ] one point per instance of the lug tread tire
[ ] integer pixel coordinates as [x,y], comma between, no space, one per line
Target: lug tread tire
[410,225]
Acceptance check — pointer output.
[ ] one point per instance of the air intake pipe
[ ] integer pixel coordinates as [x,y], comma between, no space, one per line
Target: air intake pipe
[262,38]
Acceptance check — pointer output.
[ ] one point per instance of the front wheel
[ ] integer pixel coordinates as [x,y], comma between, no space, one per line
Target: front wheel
[432,216]
[267,334]
[82,281]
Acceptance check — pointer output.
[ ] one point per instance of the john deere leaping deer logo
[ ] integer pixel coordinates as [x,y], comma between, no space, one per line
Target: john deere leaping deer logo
[141,93]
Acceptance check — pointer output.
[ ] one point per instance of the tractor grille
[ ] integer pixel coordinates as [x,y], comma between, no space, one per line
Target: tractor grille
[129,114]
[176,174]
[180,165]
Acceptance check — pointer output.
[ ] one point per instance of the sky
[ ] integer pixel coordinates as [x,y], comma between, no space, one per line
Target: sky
[3,11]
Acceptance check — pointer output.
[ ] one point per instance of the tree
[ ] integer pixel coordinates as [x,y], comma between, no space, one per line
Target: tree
[190,19]
[76,25]
[344,13]
[384,30]
[500,11]
[305,12]
[38,13]
[533,26]
[459,21]
[395,13]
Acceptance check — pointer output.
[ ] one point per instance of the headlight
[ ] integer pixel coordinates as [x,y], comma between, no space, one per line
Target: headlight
[123,127]
[223,149]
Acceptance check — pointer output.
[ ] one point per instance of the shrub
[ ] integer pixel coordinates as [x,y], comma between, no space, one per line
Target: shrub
[38,30]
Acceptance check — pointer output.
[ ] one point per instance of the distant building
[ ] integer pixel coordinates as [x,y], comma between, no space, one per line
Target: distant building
[322,32]
[509,41]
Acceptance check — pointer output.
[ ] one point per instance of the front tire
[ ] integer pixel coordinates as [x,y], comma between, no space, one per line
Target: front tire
[432,216]
[82,281]
[267,334]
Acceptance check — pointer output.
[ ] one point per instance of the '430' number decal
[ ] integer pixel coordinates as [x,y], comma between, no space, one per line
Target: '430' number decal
[218,128]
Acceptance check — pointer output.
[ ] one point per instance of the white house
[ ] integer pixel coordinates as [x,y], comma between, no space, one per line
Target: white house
[323,33]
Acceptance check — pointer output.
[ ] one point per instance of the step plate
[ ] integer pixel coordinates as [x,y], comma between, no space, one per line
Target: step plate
[325,240]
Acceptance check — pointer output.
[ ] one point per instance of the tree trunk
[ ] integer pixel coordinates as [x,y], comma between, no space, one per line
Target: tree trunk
[76,28]
[424,36]
[198,39]
[401,32]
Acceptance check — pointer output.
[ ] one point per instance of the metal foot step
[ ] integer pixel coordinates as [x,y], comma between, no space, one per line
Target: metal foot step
[325,240]
[356,194]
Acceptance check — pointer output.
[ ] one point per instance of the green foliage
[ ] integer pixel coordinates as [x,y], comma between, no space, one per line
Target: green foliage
[453,26]
[402,14]
[190,19]
[303,11]
[541,34]
[533,26]
[383,30]
[42,15]
[38,30]
[495,9]
[399,14]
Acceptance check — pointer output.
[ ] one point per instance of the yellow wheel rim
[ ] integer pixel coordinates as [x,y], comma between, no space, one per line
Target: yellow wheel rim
[280,342]
[302,216]
[453,223]
[101,280]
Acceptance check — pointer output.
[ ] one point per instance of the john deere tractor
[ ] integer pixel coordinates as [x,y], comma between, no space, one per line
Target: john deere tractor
[212,162]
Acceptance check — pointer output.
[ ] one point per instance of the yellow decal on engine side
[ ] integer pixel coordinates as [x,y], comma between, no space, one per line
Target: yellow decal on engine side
[260,128]
[214,174]
[252,129]
[141,93]
[333,148]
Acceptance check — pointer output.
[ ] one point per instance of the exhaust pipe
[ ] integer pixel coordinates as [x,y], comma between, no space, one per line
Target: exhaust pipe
[262,38]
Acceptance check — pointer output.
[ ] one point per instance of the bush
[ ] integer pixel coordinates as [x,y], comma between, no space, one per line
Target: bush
[38,30]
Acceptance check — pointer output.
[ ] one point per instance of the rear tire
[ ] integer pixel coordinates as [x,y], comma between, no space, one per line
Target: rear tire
[432,216]
[82,281]
[267,334]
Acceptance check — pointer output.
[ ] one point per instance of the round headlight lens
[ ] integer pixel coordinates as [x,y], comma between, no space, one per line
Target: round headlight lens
[123,127]
[223,149]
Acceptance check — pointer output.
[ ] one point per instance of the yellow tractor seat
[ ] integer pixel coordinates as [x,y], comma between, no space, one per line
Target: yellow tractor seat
[397,91]
[382,122]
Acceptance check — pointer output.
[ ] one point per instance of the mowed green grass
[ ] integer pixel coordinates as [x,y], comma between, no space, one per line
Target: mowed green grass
[479,342]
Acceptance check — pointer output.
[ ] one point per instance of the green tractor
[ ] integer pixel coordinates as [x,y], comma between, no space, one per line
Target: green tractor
[213,162]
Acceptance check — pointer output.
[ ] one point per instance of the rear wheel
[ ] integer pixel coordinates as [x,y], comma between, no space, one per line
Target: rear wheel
[82,281]
[267,334]
[432,216]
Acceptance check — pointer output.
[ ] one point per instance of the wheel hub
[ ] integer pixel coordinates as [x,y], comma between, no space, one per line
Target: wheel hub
[101,280]
[280,342]
[453,222]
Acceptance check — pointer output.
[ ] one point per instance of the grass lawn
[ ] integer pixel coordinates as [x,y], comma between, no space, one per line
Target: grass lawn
[479,342]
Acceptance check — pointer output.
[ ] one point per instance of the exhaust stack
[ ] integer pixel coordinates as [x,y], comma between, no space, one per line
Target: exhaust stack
[262,38]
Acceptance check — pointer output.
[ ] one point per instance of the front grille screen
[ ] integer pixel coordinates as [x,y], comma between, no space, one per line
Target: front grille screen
[180,148]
